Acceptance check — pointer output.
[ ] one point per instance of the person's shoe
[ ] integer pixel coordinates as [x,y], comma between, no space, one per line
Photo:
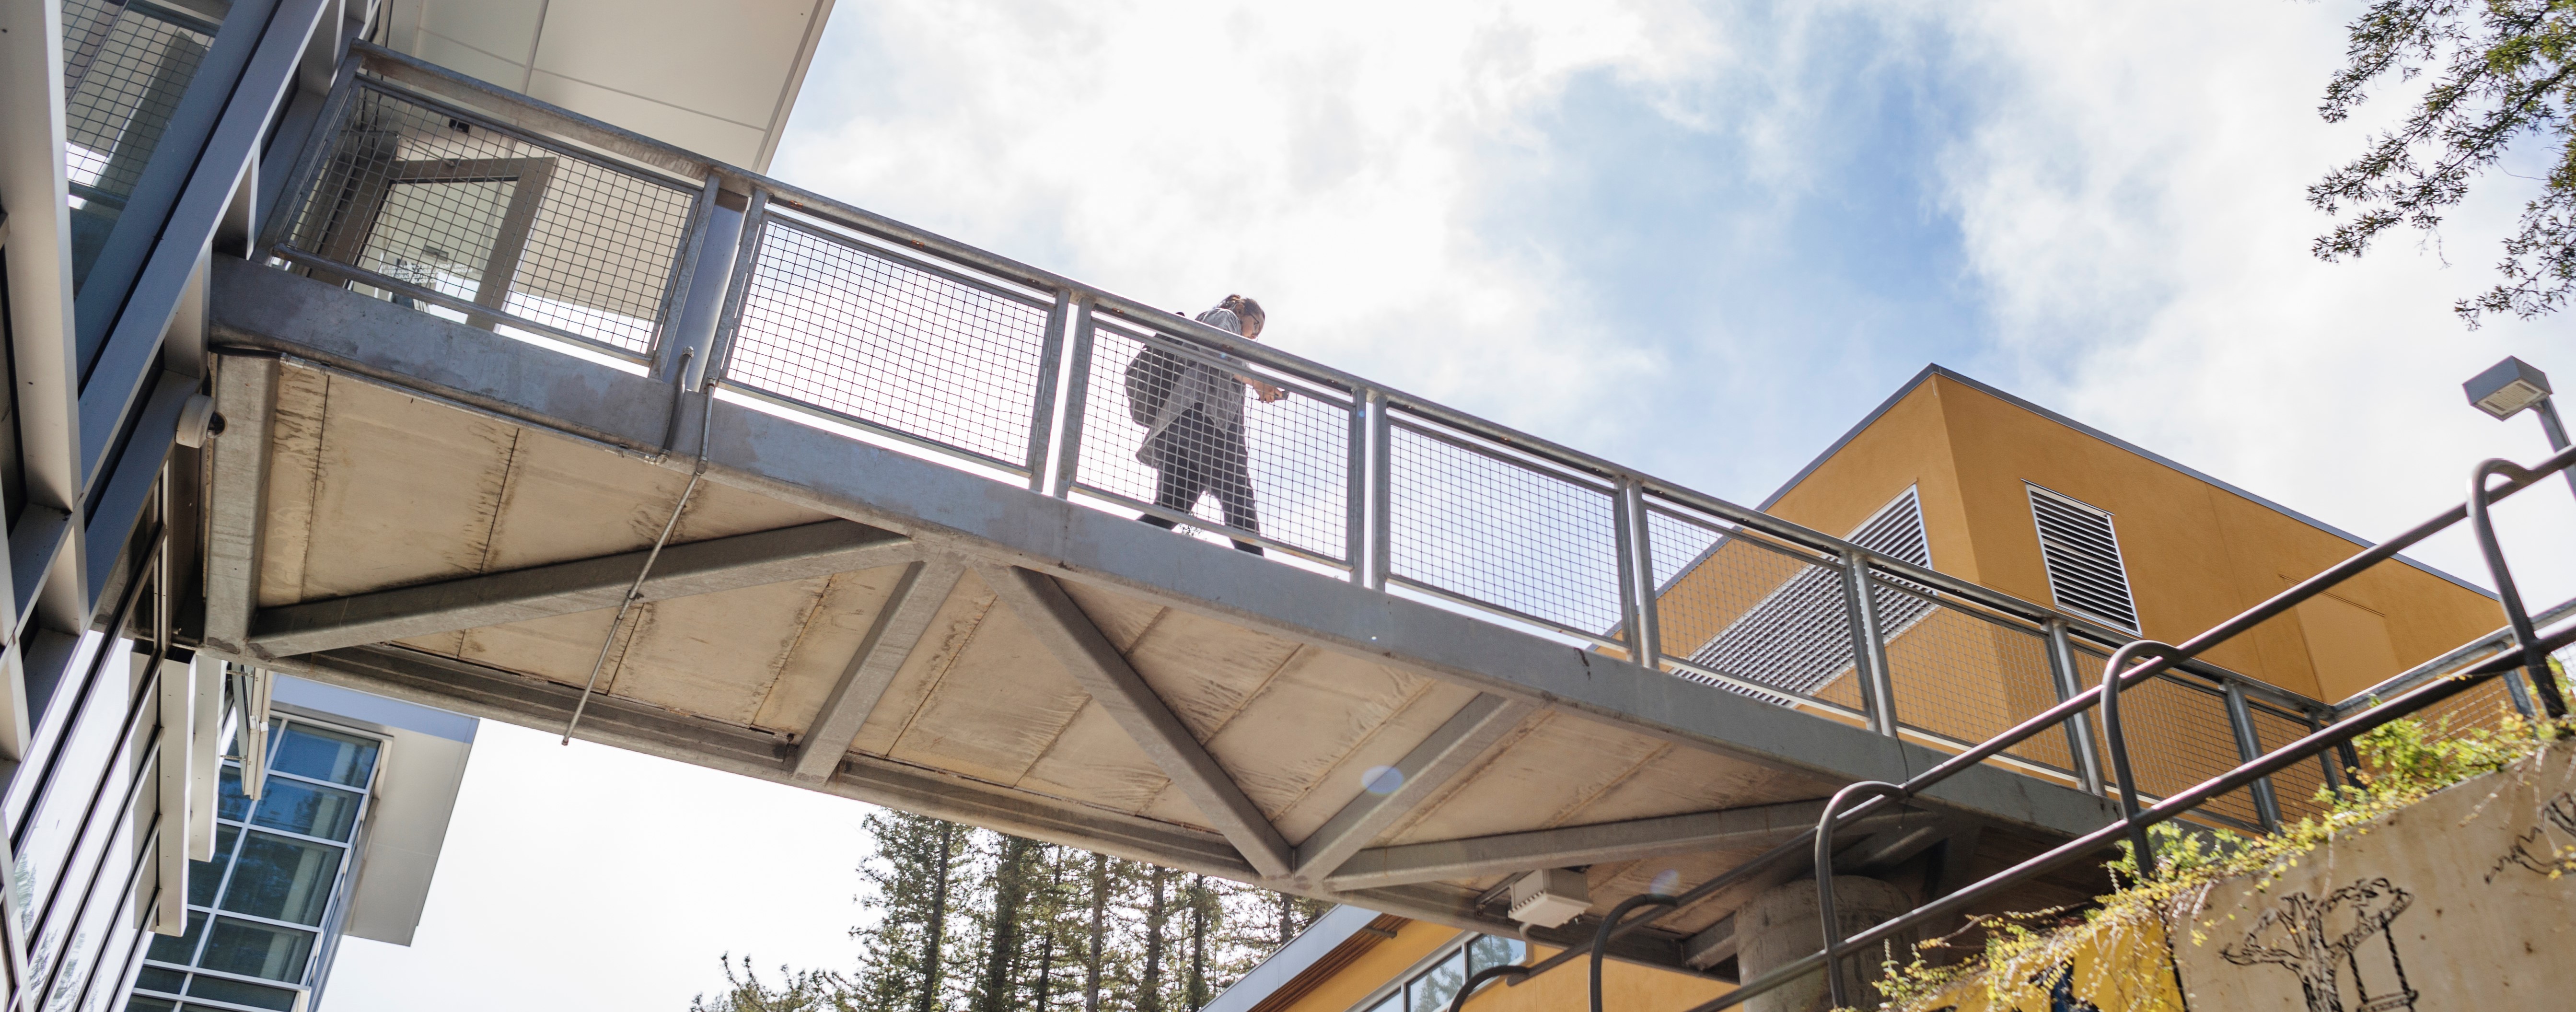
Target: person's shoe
[1161,522]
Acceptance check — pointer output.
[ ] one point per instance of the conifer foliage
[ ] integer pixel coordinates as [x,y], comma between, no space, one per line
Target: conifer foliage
[959,919]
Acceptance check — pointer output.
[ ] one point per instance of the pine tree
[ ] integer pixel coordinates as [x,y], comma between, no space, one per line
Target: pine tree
[1094,952]
[1158,916]
[1014,867]
[1202,910]
[904,956]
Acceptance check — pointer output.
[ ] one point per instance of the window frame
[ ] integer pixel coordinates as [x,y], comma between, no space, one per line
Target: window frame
[342,879]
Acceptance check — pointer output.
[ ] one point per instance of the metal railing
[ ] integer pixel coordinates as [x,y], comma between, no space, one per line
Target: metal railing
[2519,651]
[499,211]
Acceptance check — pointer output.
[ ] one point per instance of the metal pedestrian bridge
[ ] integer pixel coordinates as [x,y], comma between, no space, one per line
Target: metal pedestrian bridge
[531,418]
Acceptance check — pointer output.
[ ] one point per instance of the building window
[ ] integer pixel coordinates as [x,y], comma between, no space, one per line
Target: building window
[1432,986]
[260,911]
[2085,574]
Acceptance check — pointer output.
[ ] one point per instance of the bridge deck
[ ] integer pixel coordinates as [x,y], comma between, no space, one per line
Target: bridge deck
[429,510]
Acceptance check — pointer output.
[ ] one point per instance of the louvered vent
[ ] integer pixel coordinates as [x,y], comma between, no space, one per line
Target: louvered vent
[1800,637]
[2084,570]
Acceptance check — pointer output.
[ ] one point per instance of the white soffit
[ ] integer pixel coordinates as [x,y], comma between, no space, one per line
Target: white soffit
[717,77]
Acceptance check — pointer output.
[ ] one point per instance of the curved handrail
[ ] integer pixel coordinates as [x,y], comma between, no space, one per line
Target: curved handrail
[1830,923]
[2116,740]
[2516,616]
[1477,979]
[1610,922]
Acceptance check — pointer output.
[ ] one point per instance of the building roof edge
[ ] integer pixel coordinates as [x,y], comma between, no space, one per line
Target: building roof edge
[1936,369]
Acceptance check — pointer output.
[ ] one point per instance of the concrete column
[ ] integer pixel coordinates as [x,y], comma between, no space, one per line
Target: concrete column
[1781,925]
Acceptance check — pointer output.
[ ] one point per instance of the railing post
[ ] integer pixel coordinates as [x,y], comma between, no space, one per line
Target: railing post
[1637,575]
[715,245]
[1077,395]
[2240,720]
[746,255]
[1042,413]
[1869,652]
[1355,492]
[2079,729]
[1370,492]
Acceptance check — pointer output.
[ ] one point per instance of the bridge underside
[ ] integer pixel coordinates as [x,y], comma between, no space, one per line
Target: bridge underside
[426,510]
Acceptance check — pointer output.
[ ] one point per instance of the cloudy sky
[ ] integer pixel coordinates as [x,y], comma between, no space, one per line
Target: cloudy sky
[1701,238]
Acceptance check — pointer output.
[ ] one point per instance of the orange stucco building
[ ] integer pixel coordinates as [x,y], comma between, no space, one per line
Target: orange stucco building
[1994,490]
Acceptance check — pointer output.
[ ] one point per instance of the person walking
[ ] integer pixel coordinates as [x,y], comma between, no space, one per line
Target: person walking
[1192,412]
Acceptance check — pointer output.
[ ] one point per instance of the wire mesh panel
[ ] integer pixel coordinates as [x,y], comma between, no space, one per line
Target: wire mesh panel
[2294,789]
[124,68]
[499,229]
[1475,523]
[2178,736]
[1175,427]
[855,331]
[1749,609]
[1964,677]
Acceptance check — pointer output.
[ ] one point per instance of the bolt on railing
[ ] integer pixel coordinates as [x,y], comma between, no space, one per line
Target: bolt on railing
[503,212]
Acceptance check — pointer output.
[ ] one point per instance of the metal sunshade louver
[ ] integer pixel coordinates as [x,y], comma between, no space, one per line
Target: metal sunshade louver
[2085,572]
[1799,638]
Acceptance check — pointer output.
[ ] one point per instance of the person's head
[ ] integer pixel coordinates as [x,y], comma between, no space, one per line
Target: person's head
[1246,310]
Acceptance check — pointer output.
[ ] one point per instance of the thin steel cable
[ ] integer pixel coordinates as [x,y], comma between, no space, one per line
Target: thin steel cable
[636,590]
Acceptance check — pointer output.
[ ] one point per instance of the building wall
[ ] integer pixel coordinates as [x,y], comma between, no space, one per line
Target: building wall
[1623,985]
[2196,552]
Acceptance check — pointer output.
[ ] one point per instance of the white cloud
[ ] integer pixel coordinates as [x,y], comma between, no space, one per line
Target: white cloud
[2133,199]
[586,877]
[1326,158]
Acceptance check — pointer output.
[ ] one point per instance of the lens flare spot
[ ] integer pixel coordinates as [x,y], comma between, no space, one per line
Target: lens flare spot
[1382,779]
[1667,882]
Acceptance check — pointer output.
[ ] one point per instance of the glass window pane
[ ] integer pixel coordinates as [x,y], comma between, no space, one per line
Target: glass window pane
[282,879]
[143,1004]
[1489,951]
[1431,991]
[1393,1002]
[258,950]
[204,876]
[238,993]
[308,751]
[154,978]
[303,808]
[232,803]
[166,949]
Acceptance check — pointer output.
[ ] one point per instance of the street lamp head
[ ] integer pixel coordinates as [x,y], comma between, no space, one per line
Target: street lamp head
[2507,388]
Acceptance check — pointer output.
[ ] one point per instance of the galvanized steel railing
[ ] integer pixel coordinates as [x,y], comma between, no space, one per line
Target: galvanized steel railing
[502,212]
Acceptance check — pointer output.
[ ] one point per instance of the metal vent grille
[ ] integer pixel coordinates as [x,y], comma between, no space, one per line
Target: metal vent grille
[1800,637]
[2083,555]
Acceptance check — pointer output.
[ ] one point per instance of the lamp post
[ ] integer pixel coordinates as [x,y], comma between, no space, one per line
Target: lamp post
[2512,385]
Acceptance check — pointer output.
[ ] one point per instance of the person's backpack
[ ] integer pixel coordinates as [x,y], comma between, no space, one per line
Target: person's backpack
[1150,379]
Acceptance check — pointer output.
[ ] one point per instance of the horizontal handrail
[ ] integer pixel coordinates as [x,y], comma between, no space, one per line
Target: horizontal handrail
[2471,651]
[542,117]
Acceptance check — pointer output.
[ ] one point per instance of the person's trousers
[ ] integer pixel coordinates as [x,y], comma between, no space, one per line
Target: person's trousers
[1197,457]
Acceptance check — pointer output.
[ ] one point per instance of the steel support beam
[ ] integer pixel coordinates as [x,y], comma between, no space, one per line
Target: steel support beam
[1060,624]
[493,694]
[42,333]
[237,499]
[565,588]
[1752,827]
[1449,750]
[900,623]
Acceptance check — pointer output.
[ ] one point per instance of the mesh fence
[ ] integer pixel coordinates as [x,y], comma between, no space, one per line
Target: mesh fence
[860,333]
[1965,678]
[516,231]
[2294,789]
[124,69]
[1471,522]
[1217,450]
[1752,610]
[2178,735]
